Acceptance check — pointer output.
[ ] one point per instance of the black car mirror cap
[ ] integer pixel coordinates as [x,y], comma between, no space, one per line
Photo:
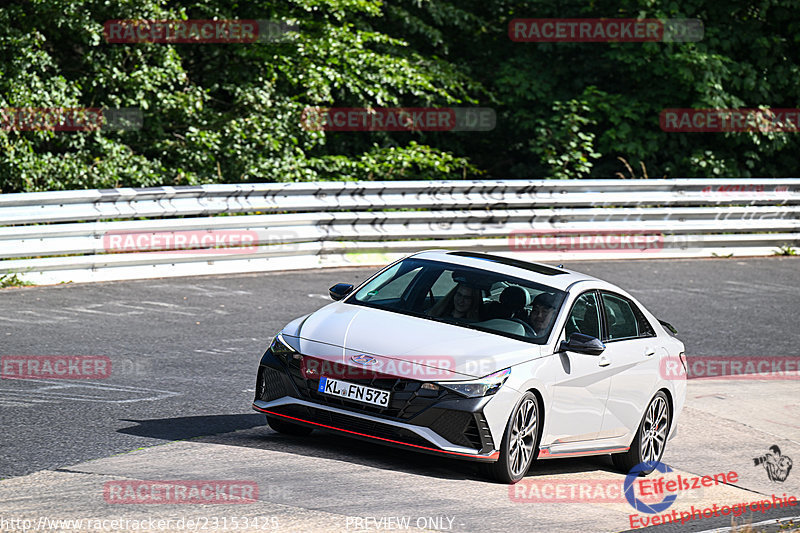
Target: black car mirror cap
[340,290]
[580,343]
[669,327]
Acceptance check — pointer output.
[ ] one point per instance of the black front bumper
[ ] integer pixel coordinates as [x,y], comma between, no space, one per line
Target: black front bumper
[427,420]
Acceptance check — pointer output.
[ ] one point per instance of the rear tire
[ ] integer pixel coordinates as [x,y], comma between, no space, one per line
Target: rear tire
[288,428]
[651,437]
[520,443]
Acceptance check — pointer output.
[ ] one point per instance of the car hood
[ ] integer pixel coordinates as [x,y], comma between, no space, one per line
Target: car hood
[405,346]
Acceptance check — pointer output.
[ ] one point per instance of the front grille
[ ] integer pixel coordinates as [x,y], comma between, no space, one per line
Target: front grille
[351,423]
[269,385]
[408,398]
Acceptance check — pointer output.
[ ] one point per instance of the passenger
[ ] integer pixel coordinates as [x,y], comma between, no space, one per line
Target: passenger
[543,312]
[462,301]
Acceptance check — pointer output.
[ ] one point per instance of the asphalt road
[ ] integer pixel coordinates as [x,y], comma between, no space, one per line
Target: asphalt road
[184,353]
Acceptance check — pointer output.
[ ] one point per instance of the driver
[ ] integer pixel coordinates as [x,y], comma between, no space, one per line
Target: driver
[462,302]
[543,312]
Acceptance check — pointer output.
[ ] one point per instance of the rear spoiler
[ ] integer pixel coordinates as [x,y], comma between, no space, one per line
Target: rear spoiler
[669,326]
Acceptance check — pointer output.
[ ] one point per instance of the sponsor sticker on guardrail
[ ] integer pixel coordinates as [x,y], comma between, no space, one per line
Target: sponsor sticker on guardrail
[731,367]
[599,30]
[203,492]
[55,367]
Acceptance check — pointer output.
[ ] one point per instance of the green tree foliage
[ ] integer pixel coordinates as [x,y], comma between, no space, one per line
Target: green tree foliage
[214,112]
[610,94]
[232,112]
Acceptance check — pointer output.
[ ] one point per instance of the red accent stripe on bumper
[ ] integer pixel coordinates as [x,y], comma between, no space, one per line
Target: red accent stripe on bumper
[494,455]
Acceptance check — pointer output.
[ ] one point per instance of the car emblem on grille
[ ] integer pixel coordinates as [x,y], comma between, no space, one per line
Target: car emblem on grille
[365,360]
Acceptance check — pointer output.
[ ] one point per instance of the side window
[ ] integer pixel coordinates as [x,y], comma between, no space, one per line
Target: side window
[584,316]
[624,319]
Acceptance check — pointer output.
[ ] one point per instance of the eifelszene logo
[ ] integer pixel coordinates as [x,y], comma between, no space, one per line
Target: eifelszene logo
[630,495]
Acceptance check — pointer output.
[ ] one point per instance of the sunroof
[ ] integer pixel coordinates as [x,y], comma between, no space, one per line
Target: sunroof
[540,269]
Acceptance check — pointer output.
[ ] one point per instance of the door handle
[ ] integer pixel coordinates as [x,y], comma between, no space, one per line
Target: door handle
[604,361]
[648,352]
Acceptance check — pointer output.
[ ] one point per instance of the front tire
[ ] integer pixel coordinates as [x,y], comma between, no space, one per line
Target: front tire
[651,437]
[520,443]
[288,428]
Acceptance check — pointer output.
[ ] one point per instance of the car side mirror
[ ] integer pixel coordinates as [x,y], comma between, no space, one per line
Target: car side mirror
[578,342]
[339,291]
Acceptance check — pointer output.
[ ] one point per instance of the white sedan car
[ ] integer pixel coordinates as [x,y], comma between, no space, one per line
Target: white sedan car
[479,357]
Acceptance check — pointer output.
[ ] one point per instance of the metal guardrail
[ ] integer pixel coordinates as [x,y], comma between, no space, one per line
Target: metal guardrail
[96,235]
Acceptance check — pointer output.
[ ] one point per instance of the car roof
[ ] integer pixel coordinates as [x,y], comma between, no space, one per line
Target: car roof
[556,277]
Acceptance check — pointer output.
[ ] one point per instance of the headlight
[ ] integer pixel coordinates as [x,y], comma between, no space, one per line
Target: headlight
[485,386]
[282,349]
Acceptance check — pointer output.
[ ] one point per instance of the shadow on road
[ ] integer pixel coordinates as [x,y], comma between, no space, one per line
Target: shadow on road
[190,427]
[250,431]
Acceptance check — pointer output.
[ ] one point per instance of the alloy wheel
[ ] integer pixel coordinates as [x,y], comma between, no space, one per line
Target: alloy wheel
[654,431]
[523,437]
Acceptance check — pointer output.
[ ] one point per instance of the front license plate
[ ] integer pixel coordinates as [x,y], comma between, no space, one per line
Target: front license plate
[352,391]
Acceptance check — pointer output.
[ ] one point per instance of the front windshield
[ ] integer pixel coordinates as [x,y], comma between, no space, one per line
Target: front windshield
[467,297]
